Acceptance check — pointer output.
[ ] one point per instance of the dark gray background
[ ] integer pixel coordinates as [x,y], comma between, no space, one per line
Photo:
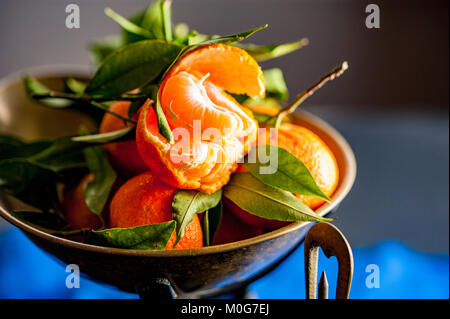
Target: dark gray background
[392,105]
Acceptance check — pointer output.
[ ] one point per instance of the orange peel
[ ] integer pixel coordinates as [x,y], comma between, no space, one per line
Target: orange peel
[211,130]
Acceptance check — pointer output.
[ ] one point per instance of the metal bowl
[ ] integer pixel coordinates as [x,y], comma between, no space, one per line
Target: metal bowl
[200,272]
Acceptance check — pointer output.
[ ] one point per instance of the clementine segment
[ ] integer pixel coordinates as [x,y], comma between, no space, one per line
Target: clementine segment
[145,200]
[124,156]
[211,130]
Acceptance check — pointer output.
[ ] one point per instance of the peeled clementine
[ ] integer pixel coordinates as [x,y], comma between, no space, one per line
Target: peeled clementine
[313,152]
[145,200]
[123,155]
[228,67]
[211,130]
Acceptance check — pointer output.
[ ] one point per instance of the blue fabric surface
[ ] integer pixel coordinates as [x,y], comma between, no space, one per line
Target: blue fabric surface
[28,272]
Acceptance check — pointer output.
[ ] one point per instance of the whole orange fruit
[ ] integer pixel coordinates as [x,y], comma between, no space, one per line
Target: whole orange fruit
[123,155]
[77,214]
[144,200]
[312,151]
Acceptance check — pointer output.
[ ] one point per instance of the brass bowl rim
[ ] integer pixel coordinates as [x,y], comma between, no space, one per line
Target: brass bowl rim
[345,184]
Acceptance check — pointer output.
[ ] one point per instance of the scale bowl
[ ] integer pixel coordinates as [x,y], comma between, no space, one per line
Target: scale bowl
[201,272]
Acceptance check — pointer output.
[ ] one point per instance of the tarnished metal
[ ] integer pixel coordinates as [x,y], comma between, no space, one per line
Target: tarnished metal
[333,243]
[323,286]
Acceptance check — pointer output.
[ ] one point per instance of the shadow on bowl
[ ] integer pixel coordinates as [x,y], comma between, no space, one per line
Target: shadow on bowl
[193,273]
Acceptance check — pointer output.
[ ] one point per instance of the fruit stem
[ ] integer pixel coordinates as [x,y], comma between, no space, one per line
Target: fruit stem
[336,72]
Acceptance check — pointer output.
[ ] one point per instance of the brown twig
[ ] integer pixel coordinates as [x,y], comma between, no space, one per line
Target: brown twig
[276,120]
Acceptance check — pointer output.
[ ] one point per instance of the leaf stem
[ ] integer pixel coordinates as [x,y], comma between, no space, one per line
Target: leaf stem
[94,101]
[336,72]
[87,98]
[106,109]
[127,24]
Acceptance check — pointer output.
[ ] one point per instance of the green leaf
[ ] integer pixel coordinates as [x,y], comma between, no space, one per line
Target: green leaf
[61,155]
[265,201]
[181,33]
[114,136]
[270,101]
[195,38]
[287,172]
[13,147]
[56,155]
[187,203]
[261,118]
[46,220]
[151,20]
[134,107]
[153,23]
[149,91]
[154,237]
[74,85]
[211,222]
[34,87]
[100,49]
[275,89]
[60,160]
[233,38]
[163,125]
[266,52]
[133,66]
[275,84]
[127,25]
[166,13]
[205,230]
[97,190]
[29,182]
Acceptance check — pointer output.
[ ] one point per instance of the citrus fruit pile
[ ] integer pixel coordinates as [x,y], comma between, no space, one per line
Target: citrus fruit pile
[193,147]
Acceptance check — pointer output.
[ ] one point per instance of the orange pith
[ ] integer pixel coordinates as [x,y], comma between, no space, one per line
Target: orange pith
[124,156]
[144,200]
[211,130]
